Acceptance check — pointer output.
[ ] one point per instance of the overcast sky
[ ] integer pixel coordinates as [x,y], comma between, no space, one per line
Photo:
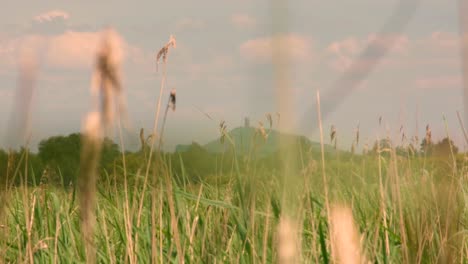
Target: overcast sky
[223,64]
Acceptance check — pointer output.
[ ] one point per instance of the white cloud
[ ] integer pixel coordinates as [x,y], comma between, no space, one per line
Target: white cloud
[189,24]
[243,21]
[69,50]
[217,68]
[344,52]
[52,15]
[439,82]
[430,61]
[299,48]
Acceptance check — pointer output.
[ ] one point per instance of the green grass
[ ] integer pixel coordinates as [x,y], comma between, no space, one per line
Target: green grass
[235,219]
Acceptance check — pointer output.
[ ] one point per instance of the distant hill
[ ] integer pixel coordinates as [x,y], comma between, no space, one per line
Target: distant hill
[246,140]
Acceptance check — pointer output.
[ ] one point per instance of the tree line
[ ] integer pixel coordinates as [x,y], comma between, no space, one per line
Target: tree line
[58,159]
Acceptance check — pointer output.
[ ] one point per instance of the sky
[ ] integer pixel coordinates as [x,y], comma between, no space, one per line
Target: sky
[224,65]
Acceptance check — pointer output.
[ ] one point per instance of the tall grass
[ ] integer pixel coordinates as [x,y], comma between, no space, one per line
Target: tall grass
[412,220]
[381,208]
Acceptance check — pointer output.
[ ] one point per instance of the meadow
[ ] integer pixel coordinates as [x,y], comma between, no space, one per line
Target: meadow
[85,199]
[398,208]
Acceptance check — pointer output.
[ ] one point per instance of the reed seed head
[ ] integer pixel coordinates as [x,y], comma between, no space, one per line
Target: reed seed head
[222,130]
[261,130]
[107,79]
[164,51]
[357,135]
[332,133]
[172,99]
[411,149]
[428,135]
[142,139]
[365,150]
[269,119]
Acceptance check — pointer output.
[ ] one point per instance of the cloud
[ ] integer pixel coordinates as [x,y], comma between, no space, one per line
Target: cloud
[217,68]
[343,53]
[430,61]
[260,50]
[438,51]
[189,24]
[69,50]
[51,15]
[243,21]
[72,49]
[448,40]
[439,82]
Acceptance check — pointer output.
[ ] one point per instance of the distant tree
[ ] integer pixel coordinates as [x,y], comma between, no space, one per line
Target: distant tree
[383,145]
[445,147]
[196,162]
[61,155]
[110,153]
[427,147]
[402,151]
[3,162]
[15,168]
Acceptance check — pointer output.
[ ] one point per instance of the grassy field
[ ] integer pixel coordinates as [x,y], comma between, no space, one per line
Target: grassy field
[391,205]
[404,210]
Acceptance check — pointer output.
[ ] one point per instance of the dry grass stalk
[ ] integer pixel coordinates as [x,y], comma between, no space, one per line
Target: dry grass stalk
[261,131]
[411,149]
[269,119]
[107,81]
[383,199]
[106,85]
[345,240]
[161,54]
[142,141]
[365,150]
[357,135]
[333,138]
[18,132]
[92,143]
[142,138]
[322,150]
[462,126]
[222,130]
[428,135]
[265,235]
[20,119]
[332,133]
